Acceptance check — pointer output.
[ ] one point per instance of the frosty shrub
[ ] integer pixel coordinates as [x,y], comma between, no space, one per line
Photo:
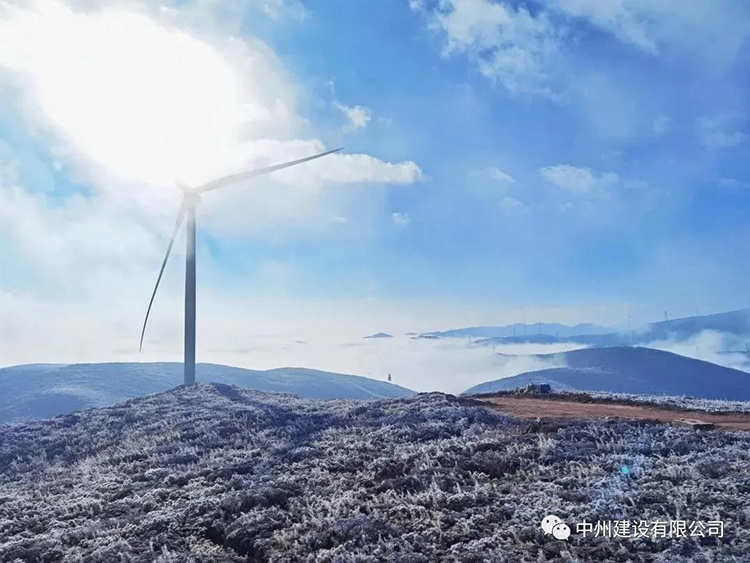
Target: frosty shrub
[216,473]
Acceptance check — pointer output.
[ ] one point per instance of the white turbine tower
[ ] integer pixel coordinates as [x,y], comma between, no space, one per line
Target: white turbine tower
[189,203]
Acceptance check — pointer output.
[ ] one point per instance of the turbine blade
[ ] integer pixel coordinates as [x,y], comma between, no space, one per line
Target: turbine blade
[180,216]
[221,182]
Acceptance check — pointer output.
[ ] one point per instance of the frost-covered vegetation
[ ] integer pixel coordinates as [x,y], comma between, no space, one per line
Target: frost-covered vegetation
[216,473]
[679,402]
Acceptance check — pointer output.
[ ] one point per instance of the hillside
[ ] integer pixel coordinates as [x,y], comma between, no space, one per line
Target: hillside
[45,390]
[216,473]
[630,370]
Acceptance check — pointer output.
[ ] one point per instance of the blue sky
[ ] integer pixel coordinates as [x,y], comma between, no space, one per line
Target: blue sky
[570,158]
[667,117]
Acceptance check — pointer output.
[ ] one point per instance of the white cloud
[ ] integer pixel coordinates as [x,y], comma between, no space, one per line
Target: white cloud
[581,208]
[131,100]
[708,346]
[626,20]
[500,176]
[83,244]
[509,45]
[134,100]
[567,206]
[720,132]
[416,5]
[511,204]
[277,9]
[113,86]
[530,51]
[401,219]
[577,180]
[701,27]
[363,168]
[357,116]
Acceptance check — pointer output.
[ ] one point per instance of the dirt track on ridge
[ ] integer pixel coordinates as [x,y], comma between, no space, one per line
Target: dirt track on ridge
[533,407]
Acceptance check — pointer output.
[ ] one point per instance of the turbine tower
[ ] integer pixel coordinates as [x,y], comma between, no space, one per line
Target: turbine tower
[187,209]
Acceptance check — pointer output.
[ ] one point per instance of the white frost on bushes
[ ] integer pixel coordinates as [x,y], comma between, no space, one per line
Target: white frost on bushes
[216,473]
[682,402]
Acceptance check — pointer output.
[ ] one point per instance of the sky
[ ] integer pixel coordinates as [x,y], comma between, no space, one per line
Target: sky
[504,161]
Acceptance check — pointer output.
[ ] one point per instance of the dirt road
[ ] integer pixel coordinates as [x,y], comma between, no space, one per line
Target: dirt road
[533,407]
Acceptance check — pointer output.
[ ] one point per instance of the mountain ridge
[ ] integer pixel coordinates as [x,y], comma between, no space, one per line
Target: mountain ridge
[636,370]
[512,329]
[30,391]
[735,323]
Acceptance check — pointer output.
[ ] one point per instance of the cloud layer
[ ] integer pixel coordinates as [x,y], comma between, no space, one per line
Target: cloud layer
[133,100]
[133,104]
[129,100]
[529,51]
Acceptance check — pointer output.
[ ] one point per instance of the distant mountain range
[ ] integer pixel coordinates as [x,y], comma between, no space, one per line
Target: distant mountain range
[520,330]
[735,323]
[379,335]
[46,390]
[606,339]
[630,370]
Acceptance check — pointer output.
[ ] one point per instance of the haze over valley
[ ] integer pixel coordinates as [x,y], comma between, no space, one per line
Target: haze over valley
[453,361]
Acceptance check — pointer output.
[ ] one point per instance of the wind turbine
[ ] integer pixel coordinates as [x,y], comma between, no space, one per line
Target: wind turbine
[189,203]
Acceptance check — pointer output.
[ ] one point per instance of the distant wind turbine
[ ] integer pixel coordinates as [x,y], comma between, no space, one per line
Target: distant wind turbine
[630,330]
[189,203]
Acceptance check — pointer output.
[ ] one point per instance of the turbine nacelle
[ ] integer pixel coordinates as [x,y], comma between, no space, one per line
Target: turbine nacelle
[187,190]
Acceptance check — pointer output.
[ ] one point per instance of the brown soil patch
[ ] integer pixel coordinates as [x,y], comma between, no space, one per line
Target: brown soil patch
[533,407]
